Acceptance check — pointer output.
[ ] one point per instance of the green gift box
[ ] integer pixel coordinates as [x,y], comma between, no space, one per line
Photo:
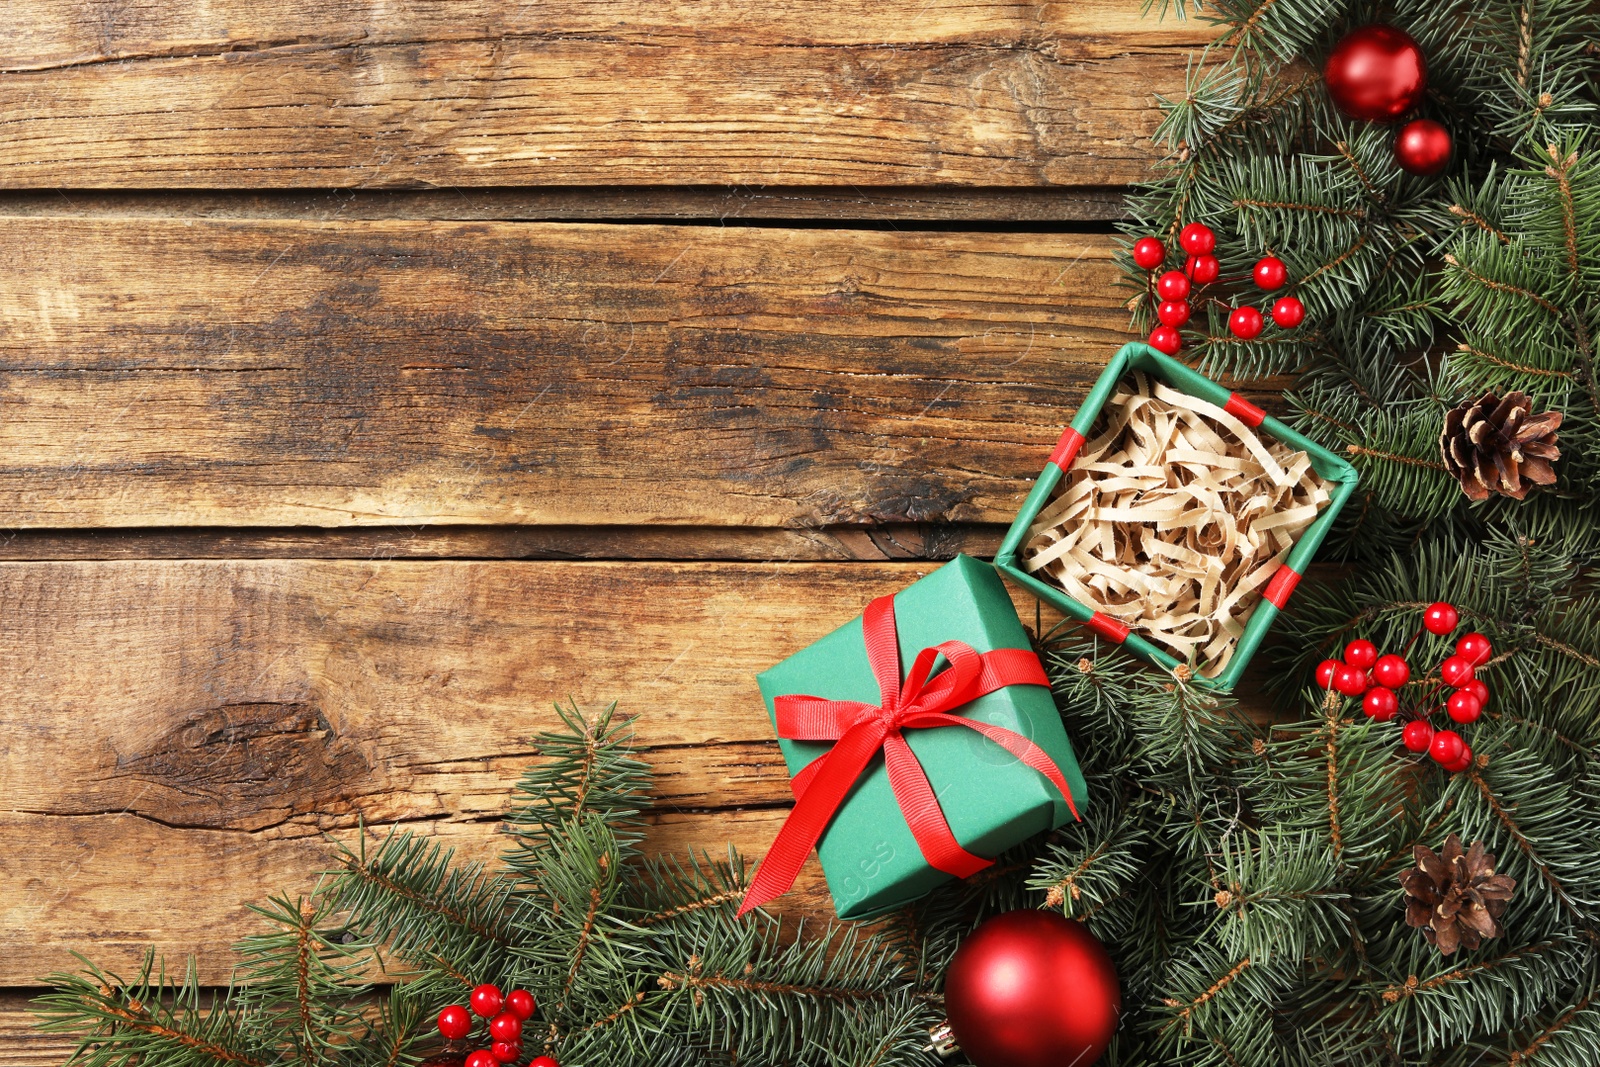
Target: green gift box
[1141,357]
[990,798]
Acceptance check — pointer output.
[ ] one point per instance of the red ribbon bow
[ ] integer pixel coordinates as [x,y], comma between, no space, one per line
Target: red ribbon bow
[860,730]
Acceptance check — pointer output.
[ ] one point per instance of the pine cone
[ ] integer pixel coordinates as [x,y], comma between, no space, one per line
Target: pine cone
[1455,898]
[1495,446]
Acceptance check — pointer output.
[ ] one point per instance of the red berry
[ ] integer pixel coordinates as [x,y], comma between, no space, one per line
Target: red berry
[1361,653]
[520,1002]
[1288,312]
[505,1051]
[505,1027]
[543,1061]
[1325,672]
[1440,618]
[1149,252]
[1455,671]
[455,1022]
[1245,323]
[1173,313]
[486,1000]
[481,1058]
[1461,762]
[1479,690]
[1165,339]
[1381,704]
[1197,239]
[1270,272]
[1203,269]
[1446,746]
[1463,707]
[1475,649]
[1173,285]
[1351,681]
[1391,671]
[1417,735]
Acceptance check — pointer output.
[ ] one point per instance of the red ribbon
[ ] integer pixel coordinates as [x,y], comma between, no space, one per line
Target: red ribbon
[860,730]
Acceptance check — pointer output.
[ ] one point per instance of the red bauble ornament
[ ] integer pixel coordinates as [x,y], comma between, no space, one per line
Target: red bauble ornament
[505,1027]
[1376,73]
[1479,690]
[1245,323]
[1455,671]
[1351,681]
[1391,671]
[1446,746]
[1361,653]
[1463,707]
[1423,148]
[505,1051]
[1149,253]
[1475,649]
[1270,273]
[520,1002]
[1288,312]
[481,1058]
[455,1022]
[1325,672]
[1173,285]
[1032,989]
[1197,239]
[1165,339]
[543,1061]
[1173,313]
[1417,735]
[1381,704]
[1202,270]
[1440,618]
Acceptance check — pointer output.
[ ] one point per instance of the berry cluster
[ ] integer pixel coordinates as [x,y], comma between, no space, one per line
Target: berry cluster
[506,1014]
[1173,288]
[1363,673]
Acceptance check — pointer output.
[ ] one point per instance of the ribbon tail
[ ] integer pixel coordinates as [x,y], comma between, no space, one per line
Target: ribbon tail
[813,810]
[920,805]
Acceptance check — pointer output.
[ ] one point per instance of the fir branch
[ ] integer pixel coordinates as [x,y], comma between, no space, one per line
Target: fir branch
[1412,987]
[1528,1051]
[1480,222]
[1503,287]
[1319,209]
[1521,839]
[1393,457]
[1216,987]
[1519,368]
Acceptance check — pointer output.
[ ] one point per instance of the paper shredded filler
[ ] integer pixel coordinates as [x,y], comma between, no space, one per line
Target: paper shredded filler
[1172,520]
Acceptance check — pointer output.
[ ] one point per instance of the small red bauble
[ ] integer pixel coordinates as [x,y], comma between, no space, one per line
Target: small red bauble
[1032,989]
[1455,671]
[1446,746]
[486,1000]
[481,1058]
[505,1051]
[1203,270]
[505,1027]
[1463,707]
[1197,239]
[1270,273]
[1288,312]
[1461,762]
[1149,252]
[1440,618]
[1351,681]
[543,1061]
[1361,653]
[1417,735]
[1325,672]
[1475,649]
[1173,285]
[520,1002]
[1376,73]
[1423,148]
[455,1022]
[1173,313]
[1381,704]
[1391,671]
[1479,690]
[1245,323]
[1165,339]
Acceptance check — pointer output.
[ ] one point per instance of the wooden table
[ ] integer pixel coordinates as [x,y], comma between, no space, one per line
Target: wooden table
[376,375]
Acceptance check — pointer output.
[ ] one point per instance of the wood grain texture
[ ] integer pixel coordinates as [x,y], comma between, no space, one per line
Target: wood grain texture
[278,373]
[234,94]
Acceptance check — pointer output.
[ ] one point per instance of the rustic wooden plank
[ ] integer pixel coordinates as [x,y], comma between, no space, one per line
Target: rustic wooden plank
[231,94]
[20,1044]
[179,372]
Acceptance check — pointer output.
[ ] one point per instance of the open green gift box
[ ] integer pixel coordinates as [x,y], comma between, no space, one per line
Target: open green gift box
[1340,476]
